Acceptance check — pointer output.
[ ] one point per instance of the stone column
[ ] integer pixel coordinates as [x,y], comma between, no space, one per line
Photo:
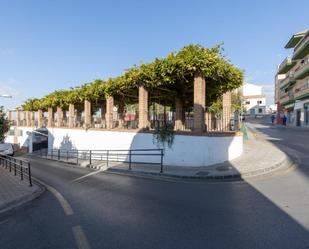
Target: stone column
[10,116]
[50,121]
[179,115]
[17,117]
[59,117]
[28,119]
[87,112]
[40,118]
[109,112]
[71,115]
[32,119]
[227,109]
[199,100]
[143,121]
[24,118]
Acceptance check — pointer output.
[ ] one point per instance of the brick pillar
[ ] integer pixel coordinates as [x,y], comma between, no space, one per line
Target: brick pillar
[10,116]
[199,99]
[40,118]
[15,140]
[227,109]
[87,112]
[121,114]
[143,121]
[24,118]
[17,117]
[50,121]
[179,115]
[32,119]
[109,112]
[71,115]
[59,117]
[28,119]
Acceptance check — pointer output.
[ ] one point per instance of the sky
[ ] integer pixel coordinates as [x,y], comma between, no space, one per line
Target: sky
[47,45]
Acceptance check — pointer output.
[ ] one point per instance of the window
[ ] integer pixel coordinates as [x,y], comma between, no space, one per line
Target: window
[260,110]
[247,102]
[259,102]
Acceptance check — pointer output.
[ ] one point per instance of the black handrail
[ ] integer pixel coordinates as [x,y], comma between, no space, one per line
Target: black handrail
[19,166]
[101,155]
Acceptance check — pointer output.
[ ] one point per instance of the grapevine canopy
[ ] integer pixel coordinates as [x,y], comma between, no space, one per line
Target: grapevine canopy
[165,78]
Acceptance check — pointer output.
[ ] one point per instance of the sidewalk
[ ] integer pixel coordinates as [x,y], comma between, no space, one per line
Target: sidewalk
[260,157]
[14,192]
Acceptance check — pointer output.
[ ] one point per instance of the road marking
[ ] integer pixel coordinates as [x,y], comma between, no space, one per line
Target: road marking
[63,202]
[90,174]
[80,238]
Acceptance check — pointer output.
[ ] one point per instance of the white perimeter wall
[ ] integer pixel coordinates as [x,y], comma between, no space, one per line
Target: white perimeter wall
[186,150]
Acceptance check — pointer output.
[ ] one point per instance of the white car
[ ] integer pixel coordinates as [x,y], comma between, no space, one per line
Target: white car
[6,149]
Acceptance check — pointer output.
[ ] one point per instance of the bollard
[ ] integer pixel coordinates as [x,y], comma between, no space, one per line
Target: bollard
[29,175]
[161,170]
[107,158]
[21,171]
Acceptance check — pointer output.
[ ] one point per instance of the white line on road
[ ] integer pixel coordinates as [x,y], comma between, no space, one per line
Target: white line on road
[63,202]
[80,238]
[90,174]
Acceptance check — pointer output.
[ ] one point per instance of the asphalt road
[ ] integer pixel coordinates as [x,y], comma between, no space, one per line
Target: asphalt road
[112,211]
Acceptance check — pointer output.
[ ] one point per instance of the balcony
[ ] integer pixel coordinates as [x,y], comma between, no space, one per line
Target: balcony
[302,91]
[288,81]
[286,65]
[302,70]
[287,98]
[302,49]
[284,99]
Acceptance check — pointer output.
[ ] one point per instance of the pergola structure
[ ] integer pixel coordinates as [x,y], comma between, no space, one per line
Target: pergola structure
[179,87]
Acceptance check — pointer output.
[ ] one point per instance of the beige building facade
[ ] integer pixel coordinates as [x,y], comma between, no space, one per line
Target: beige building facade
[292,83]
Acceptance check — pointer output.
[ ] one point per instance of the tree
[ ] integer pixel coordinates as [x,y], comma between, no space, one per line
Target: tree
[4,125]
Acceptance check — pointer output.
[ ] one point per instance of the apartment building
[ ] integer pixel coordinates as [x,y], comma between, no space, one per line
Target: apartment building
[292,82]
[254,101]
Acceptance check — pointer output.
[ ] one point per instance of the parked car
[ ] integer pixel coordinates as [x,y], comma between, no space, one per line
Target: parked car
[7,149]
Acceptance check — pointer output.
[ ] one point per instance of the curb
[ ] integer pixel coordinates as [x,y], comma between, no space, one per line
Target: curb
[18,203]
[163,176]
[286,163]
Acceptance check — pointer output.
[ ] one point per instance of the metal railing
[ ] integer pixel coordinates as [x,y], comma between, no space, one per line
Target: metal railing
[107,156]
[18,166]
